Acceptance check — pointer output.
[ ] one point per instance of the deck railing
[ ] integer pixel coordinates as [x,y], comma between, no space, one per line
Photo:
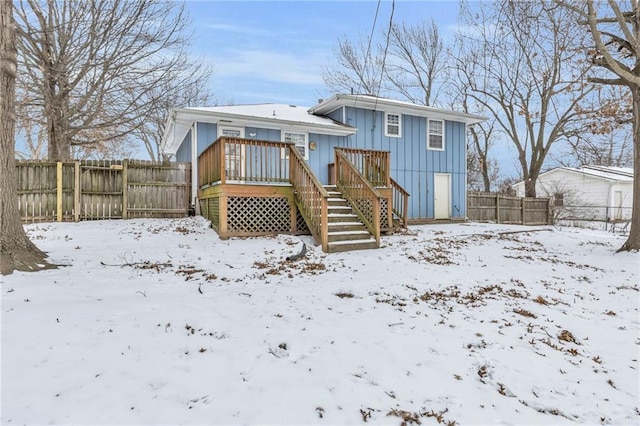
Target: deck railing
[244,160]
[374,165]
[360,193]
[400,202]
[311,197]
[209,165]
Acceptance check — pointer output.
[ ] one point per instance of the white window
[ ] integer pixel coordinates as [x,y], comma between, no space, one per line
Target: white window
[300,141]
[435,135]
[392,125]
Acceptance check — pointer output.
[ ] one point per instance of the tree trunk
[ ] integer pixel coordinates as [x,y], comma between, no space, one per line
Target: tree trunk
[485,174]
[16,251]
[530,187]
[633,242]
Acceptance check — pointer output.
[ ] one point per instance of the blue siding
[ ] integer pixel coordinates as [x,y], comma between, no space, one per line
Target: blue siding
[324,155]
[207,134]
[262,134]
[183,154]
[336,115]
[412,164]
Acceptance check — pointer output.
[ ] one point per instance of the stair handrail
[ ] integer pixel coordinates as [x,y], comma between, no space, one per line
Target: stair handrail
[310,196]
[375,165]
[359,192]
[400,202]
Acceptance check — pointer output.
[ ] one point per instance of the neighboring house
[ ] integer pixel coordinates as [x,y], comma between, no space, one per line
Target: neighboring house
[419,151]
[590,192]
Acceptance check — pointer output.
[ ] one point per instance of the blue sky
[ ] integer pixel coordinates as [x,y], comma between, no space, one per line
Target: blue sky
[275,51]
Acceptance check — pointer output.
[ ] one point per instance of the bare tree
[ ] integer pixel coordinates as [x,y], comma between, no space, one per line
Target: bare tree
[89,66]
[357,69]
[17,252]
[407,65]
[615,30]
[520,61]
[604,136]
[415,61]
[186,86]
[613,149]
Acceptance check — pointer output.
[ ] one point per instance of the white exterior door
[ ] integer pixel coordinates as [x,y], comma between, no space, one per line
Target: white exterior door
[233,153]
[442,196]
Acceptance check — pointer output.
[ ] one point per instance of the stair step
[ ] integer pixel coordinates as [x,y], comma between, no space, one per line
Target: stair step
[349,235]
[346,226]
[340,210]
[342,217]
[341,246]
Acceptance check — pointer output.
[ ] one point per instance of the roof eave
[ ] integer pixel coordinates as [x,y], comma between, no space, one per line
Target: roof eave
[329,105]
[190,115]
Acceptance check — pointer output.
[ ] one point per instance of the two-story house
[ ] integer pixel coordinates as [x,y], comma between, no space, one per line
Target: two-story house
[260,169]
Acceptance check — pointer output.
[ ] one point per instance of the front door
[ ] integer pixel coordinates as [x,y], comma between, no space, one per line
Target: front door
[442,196]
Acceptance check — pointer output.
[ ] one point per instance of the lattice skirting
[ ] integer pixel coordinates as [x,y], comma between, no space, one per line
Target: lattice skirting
[366,207]
[384,213]
[210,208]
[301,225]
[257,215]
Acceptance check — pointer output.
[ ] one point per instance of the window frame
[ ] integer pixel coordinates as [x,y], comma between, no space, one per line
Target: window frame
[284,154]
[233,160]
[386,124]
[429,133]
[558,199]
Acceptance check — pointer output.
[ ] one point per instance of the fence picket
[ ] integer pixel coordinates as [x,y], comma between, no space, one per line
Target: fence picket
[91,189]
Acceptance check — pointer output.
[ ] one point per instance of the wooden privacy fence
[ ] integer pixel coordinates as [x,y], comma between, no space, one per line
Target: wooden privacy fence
[487,207]
[88,190]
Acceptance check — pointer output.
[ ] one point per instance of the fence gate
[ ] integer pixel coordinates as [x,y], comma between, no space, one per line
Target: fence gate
[101,194]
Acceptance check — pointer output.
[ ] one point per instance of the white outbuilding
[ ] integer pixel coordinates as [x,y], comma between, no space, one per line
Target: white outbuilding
[588,192]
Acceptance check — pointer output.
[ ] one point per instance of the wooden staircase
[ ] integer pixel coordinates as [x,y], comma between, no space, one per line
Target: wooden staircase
[346,231]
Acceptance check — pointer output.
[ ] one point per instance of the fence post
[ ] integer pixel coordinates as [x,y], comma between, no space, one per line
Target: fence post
[524,211]
[59,191]
[498,208]
[76,191]
[125,185]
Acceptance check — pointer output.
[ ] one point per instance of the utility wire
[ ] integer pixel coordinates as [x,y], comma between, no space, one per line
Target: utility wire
[366,58]
[386,48]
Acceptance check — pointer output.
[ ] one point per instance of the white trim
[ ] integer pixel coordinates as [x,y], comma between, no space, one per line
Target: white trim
[391,105]
[283,153]
[180,121]
[429,147]
[222,127]
[466,173]
[386,125]
[194,166]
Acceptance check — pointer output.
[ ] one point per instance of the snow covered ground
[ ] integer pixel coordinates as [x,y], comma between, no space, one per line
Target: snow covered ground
[161,322]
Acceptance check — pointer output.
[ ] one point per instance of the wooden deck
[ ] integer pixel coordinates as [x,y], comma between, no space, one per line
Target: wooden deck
[250,187]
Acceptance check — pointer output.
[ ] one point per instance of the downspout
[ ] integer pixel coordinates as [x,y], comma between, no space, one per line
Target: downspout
[194,167]
[466,153]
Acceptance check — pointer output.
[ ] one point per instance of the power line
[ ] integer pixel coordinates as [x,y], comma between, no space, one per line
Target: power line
[386,48]
[368,54]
